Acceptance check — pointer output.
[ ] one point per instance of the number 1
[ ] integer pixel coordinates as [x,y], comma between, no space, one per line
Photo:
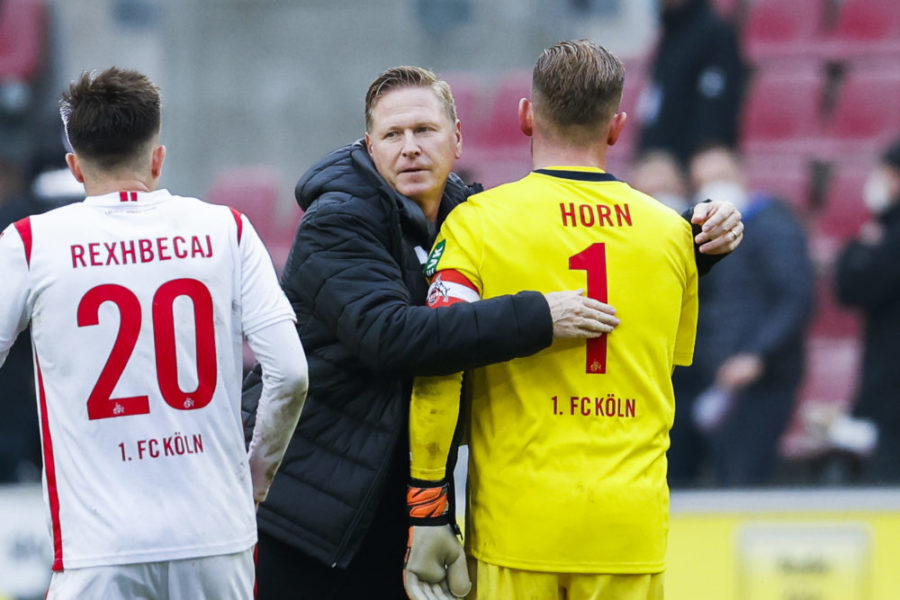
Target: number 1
[593,260]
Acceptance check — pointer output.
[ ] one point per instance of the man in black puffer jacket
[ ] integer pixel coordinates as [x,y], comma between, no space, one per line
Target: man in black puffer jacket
[696,84]
[334,524]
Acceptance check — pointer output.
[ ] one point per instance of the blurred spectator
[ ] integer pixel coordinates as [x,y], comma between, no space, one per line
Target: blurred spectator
[50,182]
[23,62]
[13,202]
[658,174]
[697,79]
[22,48]
[868,277]
[737,398]
[19,441]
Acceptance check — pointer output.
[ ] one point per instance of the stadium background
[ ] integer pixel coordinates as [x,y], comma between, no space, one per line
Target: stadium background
[255,91]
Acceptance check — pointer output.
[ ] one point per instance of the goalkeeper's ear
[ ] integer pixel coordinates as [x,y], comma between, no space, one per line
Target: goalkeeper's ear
[526,116]
[616,126]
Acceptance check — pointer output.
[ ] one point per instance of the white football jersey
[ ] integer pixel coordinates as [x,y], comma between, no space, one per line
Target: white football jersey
[138,302]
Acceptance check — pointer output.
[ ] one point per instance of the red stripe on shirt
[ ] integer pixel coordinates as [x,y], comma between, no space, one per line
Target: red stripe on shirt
[50,470]
[134,196]
[240,224]
[255,569]
[23,226]
[123,196]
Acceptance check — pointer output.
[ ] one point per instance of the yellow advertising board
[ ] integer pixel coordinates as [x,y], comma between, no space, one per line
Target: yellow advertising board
[804,561]
[777,545]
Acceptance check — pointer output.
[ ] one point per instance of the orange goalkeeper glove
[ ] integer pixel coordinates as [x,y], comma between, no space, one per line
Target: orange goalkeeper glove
[435,566]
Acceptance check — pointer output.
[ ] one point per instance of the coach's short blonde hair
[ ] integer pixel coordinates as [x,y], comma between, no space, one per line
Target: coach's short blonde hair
[576,85]
[403,77]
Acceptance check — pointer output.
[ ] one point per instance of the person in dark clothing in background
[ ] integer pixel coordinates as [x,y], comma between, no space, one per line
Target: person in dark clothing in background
[19,441]
[335,522]
[735,401]
[868,278]
[694,96]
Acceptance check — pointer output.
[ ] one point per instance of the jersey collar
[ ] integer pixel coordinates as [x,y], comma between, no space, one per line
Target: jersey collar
[128,198]
[577,173]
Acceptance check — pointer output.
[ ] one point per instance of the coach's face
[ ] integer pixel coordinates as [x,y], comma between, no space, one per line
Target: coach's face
[414,145]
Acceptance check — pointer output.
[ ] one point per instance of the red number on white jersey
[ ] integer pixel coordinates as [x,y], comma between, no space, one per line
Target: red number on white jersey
[101,404]
[164,340]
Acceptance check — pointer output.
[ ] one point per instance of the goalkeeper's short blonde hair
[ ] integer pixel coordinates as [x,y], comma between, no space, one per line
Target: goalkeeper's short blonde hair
[576,86]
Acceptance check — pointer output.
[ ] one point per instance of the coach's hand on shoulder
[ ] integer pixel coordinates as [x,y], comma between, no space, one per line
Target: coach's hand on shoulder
[577,316]
[722,228]
[435,565]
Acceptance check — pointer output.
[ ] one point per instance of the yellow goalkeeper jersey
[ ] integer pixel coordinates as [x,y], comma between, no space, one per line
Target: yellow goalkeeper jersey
[567,448]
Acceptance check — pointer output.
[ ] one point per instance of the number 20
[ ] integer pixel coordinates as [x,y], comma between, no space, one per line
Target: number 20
[101,404]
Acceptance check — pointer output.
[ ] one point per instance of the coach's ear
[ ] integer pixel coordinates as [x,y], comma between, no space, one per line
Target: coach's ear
[616,125]
[75,167]
[526,116]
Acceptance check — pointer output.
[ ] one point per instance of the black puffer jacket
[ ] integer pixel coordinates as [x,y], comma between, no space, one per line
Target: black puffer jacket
[356,284]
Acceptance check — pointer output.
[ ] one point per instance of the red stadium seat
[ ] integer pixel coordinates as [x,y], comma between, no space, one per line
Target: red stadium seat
[22,38]
[499,140]
[866,114]
[779,28]
[782,111]
[842,215]
[251,190]
[866,28]
[504,136]
[784,177]
[470,107]
[255,192]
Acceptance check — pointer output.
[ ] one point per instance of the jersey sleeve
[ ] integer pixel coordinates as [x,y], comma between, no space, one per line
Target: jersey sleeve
[285,383]
[262,300]
[687,325]
[459,246]
[433,416]
[434,408]
[15,303]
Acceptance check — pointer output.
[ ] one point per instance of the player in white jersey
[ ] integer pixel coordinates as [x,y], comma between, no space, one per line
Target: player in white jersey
[138,301]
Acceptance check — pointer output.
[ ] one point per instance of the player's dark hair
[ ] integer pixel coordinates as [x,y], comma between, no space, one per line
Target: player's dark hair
[111,116]
[404,77]
[576,86]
